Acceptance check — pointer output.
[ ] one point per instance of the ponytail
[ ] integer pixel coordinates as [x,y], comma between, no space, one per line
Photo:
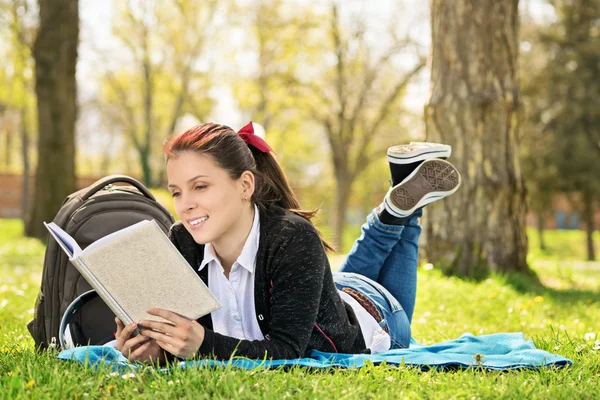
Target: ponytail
[273,188]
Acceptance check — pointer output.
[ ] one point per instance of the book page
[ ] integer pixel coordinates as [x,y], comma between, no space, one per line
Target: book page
[65,241]
[142,269]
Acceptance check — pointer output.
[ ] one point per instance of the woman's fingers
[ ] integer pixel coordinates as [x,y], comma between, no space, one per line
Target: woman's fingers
[138,353]
[119,327]
[168,315]
[160,337]
[123,335]
[128,330]
[169,329]
[136,341]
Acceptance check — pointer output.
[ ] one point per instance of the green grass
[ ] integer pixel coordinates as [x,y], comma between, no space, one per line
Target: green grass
[561,245]
[561,317]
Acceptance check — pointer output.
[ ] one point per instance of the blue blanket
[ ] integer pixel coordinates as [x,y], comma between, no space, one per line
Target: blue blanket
[501,351]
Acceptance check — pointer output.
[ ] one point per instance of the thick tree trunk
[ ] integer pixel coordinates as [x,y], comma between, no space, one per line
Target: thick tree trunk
[55,56]
[473,104]
[588,211]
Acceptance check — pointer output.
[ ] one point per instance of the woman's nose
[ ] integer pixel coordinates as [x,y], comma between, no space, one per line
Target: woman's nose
[189,203]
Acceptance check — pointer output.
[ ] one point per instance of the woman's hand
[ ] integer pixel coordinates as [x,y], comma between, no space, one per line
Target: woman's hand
[139,348]
[181,337]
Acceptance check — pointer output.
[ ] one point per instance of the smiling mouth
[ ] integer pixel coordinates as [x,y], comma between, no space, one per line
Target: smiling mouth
[197,221]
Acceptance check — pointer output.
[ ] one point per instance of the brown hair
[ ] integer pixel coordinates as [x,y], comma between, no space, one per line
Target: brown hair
[232,154]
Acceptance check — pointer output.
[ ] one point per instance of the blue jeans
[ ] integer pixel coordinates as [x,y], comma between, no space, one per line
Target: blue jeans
[383,266]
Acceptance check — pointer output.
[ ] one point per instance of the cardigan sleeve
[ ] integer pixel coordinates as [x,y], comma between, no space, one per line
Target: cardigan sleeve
[297,282]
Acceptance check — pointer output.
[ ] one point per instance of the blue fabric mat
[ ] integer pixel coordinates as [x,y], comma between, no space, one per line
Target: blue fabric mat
[501,351]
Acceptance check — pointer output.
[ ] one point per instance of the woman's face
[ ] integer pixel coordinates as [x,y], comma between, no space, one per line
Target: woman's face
[207,200]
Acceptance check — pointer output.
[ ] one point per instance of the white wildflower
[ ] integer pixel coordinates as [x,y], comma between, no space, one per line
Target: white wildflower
[590,336]
[580,348]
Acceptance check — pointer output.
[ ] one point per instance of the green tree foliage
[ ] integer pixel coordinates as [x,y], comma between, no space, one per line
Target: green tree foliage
[18,24]
[563,97]
[321,82]
[269,94]
[159,80]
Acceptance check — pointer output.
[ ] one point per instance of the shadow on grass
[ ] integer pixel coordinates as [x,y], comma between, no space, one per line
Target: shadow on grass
[529,283]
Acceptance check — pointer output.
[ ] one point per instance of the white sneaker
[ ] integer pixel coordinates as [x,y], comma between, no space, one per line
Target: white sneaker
[432,180]
[417,151]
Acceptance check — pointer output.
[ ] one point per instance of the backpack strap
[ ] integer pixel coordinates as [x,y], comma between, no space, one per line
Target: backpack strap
[108,180]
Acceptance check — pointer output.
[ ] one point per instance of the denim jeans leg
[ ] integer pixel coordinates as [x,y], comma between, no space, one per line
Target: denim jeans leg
[399,271]
[372,248]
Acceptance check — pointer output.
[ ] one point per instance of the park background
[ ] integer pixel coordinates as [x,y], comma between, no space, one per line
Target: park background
[91,88]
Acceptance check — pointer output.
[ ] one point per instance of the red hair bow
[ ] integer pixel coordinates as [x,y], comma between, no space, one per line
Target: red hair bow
[247,134]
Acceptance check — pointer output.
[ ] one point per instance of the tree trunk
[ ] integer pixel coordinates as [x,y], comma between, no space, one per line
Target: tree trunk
[146,167]
[342,192]
[473,107]
[55,54]
[26,166]
[588,211]
[540,229]
[8,149]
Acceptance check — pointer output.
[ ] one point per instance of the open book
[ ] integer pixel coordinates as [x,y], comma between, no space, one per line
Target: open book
[137,268]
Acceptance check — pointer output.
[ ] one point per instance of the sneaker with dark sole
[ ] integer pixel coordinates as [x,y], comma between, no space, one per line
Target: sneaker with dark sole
[432,180]
[405,158]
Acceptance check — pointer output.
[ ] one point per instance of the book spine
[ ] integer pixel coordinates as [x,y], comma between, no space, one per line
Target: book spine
[102,292]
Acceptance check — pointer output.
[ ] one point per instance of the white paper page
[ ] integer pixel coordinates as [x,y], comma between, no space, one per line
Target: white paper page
[68,244]
[112,236]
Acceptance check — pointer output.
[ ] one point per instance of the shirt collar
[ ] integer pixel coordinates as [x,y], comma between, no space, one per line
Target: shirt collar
[247,257]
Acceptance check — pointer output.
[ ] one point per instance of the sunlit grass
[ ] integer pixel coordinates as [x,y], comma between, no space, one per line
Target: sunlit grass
[561,245]
[561,317]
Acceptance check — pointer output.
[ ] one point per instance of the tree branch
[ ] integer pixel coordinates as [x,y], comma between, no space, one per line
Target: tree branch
[383,113]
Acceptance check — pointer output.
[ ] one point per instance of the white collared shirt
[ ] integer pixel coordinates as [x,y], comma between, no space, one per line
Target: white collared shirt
[237,316]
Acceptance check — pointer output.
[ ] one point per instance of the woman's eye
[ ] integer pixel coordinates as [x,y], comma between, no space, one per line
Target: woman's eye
[200,187]
[175,194]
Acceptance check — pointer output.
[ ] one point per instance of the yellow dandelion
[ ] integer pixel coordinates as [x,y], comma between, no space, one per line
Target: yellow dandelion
[538,299]
[30,384]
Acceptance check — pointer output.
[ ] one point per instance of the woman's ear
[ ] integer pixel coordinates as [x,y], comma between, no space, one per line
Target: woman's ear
[247,184]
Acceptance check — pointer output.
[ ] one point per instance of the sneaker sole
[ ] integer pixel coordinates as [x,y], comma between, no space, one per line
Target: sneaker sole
[431,181]
[404,154]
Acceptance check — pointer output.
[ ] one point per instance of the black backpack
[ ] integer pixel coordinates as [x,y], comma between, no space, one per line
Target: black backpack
[88,215]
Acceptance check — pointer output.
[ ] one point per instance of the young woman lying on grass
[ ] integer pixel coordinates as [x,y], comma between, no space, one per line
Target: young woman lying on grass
[243,231]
